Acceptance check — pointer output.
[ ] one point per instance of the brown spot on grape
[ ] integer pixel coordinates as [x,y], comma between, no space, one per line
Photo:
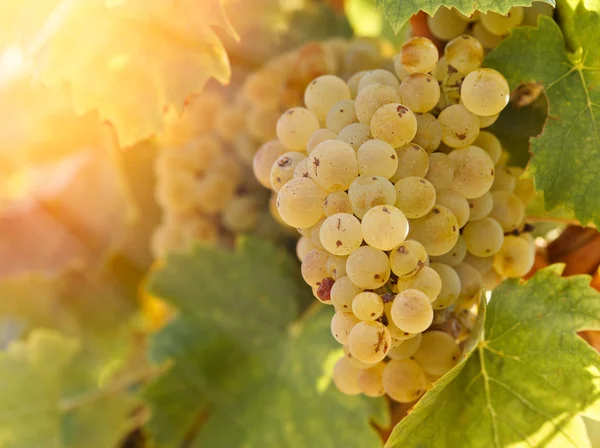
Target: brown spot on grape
[460,136]
[376,276]
[386,210]
[372,314]
[324,291]
[528,227]
[451,70]
[465,37]
[384,320]
[454,228]
[401,110]
[373,178]
[339,223]
[278,179]
[406,334]
[284,161]
[387,297]
[422,181]
[393,157]
[341,110]
[402,250]
[291,111]
[338,243]
[436,211]
[428,79]
[380,340]
[471,205]
[492,172]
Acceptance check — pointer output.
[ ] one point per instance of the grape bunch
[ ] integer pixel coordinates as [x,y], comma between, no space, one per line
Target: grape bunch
[406,208]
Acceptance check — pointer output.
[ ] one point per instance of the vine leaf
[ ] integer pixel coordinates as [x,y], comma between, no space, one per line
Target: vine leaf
[244,372]
[528,379]
[566,157]
[399,11]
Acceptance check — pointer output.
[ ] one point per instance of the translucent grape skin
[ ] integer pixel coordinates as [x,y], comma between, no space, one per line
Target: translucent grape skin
[371,98]
[332,165]
[369,341]
[366,192]
[337,202]
[483,237]
[367,306]
[470,280]
[490,144]
[341,115]
[406,349]
[408,258]
[508,210]
[377,158]
[480,207]
[355,134]
[370,380]
[426,280]
[429,132]
[345,377]
[283,168]
[295,127]
[419,92]
[460,127]
[384,227]
[341,234]
[415,196]
[441,171]
[264,159]
[412,311]
[515,258]
[446,24]
[378,76]
[499,24]
[473,171]
[323,92]
[437,353]
[319,136]
[485,92]
[403,380]
[450,286]
[304,246]
[412,161]
[314,267]
[437,231]
[342,294]
[368,268]
[456,203]
[300,202]
[341,326]
[394,123]
[455,256]
[464,53]
[418,55]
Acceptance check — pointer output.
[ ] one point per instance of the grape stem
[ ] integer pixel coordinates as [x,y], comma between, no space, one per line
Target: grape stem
[568,221]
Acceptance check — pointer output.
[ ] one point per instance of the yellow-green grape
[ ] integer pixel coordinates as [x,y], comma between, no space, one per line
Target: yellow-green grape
[426,280]
[371,98]
[464,53]
[341,233]
[524,186]
[384,227]
[395,124]
[283,168]
[367,305]
[261,123]
[490,144]
[377,158]
[241,214]
[487,39]
[441,71]
[341,325]
[408,258]
[315,234]
[323,92]
[491,279]
[368,268]
[501,24]
[318,137]
[341,115]
[361,55]
[230,121]
[275,213]
[441,171]
[345,377]
[456,203]
[355,362]
[301,169]
[515,258]
[411,311]
[473,171]
[336,266]
[379,76]
[437,230]
[264,159]
[406,349]
[295,127]
[370,381]
[504,180]
[455,256]
[404,380]
[314,267]
[304,246]
[412,161]
[369,342]
[429,132]
[415,196]
[355,134]
[450,286]
[337,202]
[437,353]
[366,192]
[418,55]
[485,92]
[471,282]
[483,237]
[354,81]
[342,293]
[245,147]
[485,122]
[332,165]
[401,72]
[482,264]
[213,192]
[536,9]
[446,24]
[480,207]
[460,127]
[508,210]
[300,202]
[420,92]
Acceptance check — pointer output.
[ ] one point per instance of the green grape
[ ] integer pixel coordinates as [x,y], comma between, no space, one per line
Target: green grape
[345,377]
[408,258]
[314,267]
[537,9]
[426,280]
[482,264]
[213,192]
[354,81]
[300,202]
[437,353]
[283,168]
[336,266]
[245,147]
[415,196]
[341,326]
[485,122]
[473,171]
[483,237]
[395,124]
[261,123]
[315,234]
[264,159]
[504,180]
[446,24]
[487,39]
[337,202]
[515,258]
[441,70]
[490,144]
[400,70]
[464,53]
[403,380]
[456,203]
[420,92]
[367,306]
[304,246]
[371,98]
[368,268]
[524,186]
[342,293]
[460,127]
[418,55]
[508,210]
[369,342]
[406,349]
[412,161]
[355,362]
[319,136]
[370,381]
[323,92]
[429,132]
[295,127]
[301,169]
[241,214]
[480,207]
[437,230]
[366,192]
[379,76]
[441,171]
[499,24]
[355,134]
[341,115]
[332,165]
[491,279]
[411,311]
[229,122]
[450,286]
[384,227]
[485,92]
[341,233]
[377,158]
[455,255]
[471,282]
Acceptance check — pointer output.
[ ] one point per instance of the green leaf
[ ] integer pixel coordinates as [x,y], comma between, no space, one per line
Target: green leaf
[526,382]
[399,11]
[244,372]
[566,157]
